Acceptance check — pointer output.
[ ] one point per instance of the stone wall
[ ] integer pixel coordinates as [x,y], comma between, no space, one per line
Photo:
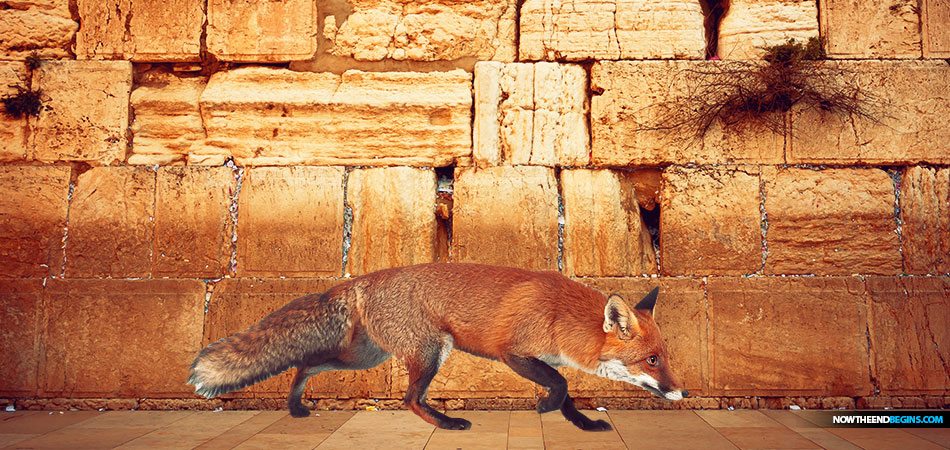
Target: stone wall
[194,168]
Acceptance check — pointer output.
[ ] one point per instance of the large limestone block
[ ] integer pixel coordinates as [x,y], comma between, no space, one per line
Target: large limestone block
[236,304]
[854,29]
[637,105]
[935,27]
[394,221]
[140,30]
[86,111]
[266,116]
[32,220]
[604,234]
[681,315]
[763,331]
[925,218]
[506,215]
[910,334]
[428,30]
[830,222]
[710,221]
[193,226]
[44,27]
[13,131]
[120,338]
[751,25]
[911,124]
[168,126]
[262,30]
[531,114]
[111,223]
[611,29]
[20,336]
[290,222]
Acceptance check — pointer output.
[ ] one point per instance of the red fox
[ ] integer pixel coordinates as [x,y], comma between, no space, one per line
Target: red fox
[534,322]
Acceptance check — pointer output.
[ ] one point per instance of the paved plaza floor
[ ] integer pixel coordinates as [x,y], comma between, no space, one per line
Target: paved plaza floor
[654,430]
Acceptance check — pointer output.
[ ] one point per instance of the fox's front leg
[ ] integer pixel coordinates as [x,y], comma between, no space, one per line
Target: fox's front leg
[540,372]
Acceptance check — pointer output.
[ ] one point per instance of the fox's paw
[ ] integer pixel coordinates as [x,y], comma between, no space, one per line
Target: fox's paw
[455,424]
[299,411]
[593,425]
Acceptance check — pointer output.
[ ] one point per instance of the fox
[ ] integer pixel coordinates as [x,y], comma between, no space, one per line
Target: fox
[532,321]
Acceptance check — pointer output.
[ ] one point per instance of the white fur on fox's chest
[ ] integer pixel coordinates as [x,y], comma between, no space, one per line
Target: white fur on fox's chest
[612,369]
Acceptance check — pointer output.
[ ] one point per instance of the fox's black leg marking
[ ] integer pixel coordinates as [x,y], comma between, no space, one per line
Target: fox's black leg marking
[422,369]
[579,419]
[540,372]
[297,409]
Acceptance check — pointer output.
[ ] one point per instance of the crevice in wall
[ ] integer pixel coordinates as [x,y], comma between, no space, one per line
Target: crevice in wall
[896,176]
[444,203]
[347,221]
[588,68]
[651,220]
[764,224]
[69,202]
[713,11]
[235,196]
[518,6]
[561,220]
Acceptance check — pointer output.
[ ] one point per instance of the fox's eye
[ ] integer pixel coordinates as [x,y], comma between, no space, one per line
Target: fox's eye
[651,360]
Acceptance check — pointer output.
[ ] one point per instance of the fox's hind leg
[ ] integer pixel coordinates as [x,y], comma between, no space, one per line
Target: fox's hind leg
[422,367]
[362,353]
[540,372]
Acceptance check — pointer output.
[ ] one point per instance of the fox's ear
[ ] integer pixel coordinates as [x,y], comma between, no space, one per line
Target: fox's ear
[648,302]
[616,313]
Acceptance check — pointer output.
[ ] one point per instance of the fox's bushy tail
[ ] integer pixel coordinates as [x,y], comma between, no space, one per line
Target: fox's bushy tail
[291,336]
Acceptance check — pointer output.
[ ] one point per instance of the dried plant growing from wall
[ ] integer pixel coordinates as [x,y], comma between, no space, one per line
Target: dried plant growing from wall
[25,101]
[762,92]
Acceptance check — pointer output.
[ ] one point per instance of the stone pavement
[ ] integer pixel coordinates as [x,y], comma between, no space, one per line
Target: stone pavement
[744,429]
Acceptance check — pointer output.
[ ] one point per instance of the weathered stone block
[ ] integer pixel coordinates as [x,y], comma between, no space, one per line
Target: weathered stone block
[935,27]
[763,331]
[290,222]
[611,29]
[467,376]
[681,315]
[603,232]
[44,27]
[506,216]
[261,30]
[167,120]
[910,334]
[20,336]
[13,131]
[86,111]
[275,116]
[193,222]
[32,220]
[531,114]
[908,104]
[632,116]
[830,222]
[110,223]
[120,338]
[393,218]
[871,29]
[751,25]
[925,217]
[140,30]
[710,221]
[236,304]
[424,30]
